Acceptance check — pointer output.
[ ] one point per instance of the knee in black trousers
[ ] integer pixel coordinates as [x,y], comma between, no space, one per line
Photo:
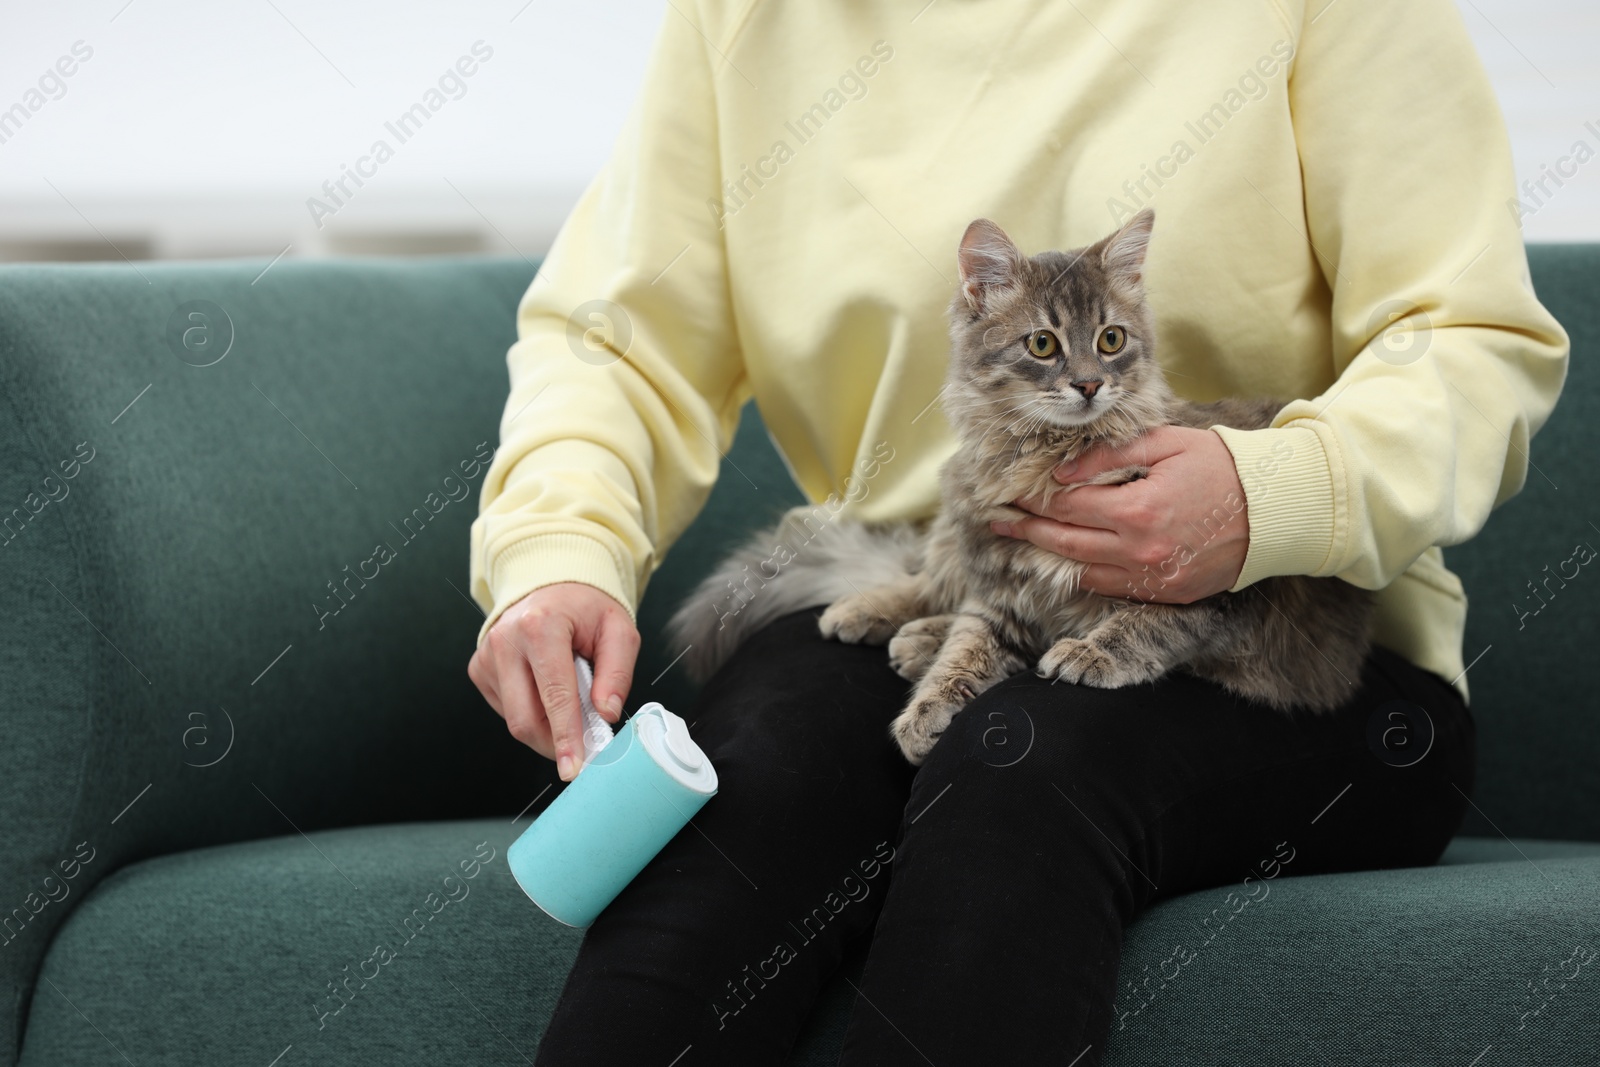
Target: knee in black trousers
[1048,815]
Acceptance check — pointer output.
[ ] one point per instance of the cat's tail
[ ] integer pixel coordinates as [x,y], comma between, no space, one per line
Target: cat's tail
[808,557]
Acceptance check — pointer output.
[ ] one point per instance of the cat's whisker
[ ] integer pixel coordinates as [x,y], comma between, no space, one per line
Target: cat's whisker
[1029,420]
[1006,413]
[961,412]
[1023,414]
[1036,422]
[1017,415]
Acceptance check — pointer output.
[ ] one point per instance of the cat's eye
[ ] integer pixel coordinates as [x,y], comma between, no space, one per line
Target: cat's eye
[1112,338]
[1043,344]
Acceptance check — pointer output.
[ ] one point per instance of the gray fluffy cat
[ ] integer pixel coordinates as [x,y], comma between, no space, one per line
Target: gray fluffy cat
[1051,354]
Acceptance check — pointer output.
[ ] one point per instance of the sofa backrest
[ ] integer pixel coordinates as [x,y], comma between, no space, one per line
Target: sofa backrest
[1536,689]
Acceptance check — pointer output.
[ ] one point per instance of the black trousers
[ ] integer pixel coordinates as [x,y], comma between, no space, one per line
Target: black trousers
[996,880]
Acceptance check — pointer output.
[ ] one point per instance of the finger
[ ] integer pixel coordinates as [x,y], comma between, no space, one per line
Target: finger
[1112,581]
[523,712]
[1082,543]
[1058,506]
[1122,509]
[1145,450]
[616,652]
[480,668]
[556,677]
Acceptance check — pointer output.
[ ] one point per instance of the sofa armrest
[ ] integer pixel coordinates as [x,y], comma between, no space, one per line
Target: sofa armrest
[203,640]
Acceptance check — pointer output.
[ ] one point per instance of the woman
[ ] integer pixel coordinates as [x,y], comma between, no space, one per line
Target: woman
[779,220]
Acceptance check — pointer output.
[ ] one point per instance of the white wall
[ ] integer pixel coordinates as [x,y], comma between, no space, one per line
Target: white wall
[1541,59]
[203,128]
[200,129]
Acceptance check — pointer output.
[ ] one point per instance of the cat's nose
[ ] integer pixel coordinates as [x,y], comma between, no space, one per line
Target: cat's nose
[1087,388]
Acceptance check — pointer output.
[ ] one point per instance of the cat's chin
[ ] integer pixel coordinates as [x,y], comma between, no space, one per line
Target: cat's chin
[1064,418]
[1074,420]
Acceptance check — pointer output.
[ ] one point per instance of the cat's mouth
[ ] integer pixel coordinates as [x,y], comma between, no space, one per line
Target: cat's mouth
[1074,409]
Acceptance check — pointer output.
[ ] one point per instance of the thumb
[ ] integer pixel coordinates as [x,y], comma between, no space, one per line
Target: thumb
[616,652]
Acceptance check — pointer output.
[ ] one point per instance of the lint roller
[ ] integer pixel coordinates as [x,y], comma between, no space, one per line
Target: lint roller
[634,791]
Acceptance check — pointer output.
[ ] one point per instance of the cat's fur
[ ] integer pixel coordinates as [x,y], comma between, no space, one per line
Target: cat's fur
[962,607]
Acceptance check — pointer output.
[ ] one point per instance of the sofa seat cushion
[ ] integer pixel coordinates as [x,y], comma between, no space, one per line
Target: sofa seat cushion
[1403,966]
[228,954]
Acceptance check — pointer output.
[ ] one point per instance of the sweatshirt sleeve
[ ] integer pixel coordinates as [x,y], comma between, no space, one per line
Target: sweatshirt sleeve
[1447,363]
[626,378]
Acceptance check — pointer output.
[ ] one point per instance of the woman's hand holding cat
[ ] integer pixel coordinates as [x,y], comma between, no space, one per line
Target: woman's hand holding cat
[1175,536]
[524,668]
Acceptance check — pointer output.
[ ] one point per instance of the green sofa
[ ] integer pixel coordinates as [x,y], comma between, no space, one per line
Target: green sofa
[242,751]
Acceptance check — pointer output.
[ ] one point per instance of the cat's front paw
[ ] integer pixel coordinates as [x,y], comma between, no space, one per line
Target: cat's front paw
[917,728]
[1120,476]
[1086,663]
[853,620]
[913,648]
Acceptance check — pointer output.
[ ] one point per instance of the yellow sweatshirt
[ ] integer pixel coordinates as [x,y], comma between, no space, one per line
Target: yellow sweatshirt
[779,220]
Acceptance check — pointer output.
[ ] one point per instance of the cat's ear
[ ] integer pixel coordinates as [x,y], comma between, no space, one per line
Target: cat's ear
[988,262]
[1123,252]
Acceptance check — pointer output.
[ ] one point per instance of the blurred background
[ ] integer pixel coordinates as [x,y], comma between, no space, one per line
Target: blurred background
[194,130]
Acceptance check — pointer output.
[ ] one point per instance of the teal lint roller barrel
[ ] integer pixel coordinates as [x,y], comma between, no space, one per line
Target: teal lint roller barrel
[635,790]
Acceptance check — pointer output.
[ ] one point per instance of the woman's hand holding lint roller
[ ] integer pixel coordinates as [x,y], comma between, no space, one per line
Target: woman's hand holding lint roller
[525,669]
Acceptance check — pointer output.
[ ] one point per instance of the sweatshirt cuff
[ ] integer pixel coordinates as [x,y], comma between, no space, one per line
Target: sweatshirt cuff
[545,559]
[1289,500]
